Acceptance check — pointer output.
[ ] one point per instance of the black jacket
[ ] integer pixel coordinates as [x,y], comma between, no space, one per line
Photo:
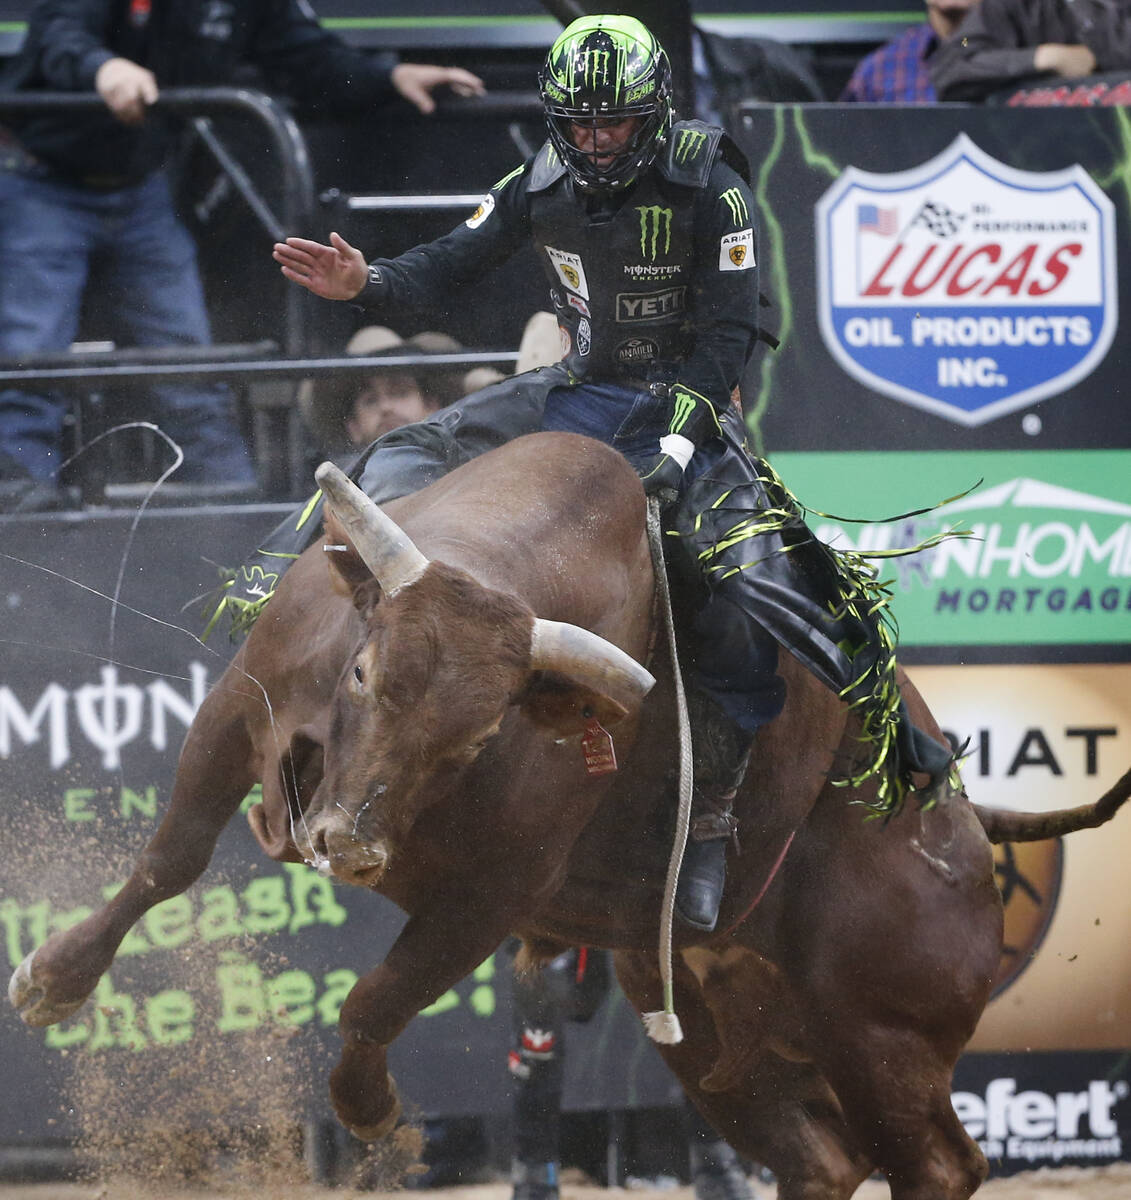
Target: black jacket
[665,286]
[185,43]
[996,43]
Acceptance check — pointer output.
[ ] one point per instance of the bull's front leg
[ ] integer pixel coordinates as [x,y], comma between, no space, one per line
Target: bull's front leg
[436,949]
[213,776]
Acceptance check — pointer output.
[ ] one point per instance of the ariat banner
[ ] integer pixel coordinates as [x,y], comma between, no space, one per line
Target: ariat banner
[1041,737]
[1042,552]
[966,286]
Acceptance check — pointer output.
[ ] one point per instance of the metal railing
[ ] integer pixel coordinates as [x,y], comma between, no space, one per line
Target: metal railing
[297,201]
[198,105]
[278,433]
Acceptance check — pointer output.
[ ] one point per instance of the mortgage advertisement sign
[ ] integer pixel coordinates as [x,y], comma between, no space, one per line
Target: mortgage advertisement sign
[1041,552]
[964,286]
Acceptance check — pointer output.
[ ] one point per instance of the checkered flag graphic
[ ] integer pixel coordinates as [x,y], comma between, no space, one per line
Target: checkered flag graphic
[942,221]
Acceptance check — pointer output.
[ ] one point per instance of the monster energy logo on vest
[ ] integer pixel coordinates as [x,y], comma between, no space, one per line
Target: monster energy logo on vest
[688,144]
[653,218]
[736,202]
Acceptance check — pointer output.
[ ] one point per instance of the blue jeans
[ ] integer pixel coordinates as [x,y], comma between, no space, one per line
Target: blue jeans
[53,236]
[729,655]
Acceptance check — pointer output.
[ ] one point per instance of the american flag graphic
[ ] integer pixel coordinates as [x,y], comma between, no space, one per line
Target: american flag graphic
[870,218]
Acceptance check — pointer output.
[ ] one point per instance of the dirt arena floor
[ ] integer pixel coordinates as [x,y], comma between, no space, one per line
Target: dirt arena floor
[1066,1183]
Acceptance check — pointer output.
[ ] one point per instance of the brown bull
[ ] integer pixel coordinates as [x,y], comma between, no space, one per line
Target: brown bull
[419,735]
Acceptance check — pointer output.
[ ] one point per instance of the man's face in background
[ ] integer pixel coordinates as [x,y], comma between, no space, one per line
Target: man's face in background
[945,16]
[387,402]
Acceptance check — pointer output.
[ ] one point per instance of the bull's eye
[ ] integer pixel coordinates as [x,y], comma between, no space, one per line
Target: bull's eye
[357,673]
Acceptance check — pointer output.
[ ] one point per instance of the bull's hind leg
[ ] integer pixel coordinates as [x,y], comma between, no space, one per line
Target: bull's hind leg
[893,934]
[894,1085]
[777,1113]
[215,772]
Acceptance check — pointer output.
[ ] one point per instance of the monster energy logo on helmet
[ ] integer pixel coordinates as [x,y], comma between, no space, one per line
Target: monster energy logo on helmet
[601,71]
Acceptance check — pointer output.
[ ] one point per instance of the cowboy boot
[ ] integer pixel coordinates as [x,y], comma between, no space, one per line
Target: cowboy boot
[720,752]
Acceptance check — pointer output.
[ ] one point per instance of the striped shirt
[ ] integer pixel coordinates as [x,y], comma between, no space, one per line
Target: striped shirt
[896,73]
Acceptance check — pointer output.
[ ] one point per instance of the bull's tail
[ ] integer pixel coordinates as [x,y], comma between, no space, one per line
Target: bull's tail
[1004,826]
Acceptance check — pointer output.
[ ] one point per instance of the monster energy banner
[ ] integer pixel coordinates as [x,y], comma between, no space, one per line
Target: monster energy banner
[234,987]
[944,278]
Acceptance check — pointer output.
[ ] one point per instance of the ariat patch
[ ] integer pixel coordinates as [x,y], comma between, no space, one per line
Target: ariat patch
[736,251]
[570,271]
[485,209]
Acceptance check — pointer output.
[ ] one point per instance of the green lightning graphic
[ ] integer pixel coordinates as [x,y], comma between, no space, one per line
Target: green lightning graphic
[1120,173]
[775,248]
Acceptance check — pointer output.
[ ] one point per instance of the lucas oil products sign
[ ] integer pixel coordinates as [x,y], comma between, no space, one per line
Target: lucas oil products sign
[964,286]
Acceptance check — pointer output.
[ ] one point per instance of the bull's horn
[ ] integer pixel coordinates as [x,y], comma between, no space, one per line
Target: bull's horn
[383,546]
[556,646]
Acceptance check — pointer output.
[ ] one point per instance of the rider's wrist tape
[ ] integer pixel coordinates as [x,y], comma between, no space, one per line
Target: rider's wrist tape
[676,446]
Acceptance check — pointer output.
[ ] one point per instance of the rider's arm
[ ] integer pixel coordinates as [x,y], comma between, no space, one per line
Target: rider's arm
[425,276]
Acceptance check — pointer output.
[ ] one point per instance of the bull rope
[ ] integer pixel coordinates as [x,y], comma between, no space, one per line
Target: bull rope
[664,1026]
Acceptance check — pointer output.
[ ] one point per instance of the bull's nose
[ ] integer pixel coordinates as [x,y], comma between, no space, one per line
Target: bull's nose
[352,861]
[366,866]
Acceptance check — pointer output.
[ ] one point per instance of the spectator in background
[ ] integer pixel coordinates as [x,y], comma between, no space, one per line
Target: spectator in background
[84,200]
[329,408]
[347,414]
[571,988]
[898,72]
[1010,41]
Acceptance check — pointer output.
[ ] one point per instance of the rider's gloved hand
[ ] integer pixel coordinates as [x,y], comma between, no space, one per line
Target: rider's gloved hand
[661,477]
[693,418]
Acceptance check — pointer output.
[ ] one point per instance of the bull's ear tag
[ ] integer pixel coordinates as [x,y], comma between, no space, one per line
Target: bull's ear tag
[597,749]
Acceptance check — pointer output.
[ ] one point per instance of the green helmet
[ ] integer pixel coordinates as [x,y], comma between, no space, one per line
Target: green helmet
[602,69]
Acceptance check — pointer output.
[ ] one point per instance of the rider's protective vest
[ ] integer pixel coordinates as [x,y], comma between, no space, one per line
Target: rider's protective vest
[621,282]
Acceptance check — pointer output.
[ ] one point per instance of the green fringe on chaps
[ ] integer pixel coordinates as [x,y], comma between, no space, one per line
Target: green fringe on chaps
[748,538]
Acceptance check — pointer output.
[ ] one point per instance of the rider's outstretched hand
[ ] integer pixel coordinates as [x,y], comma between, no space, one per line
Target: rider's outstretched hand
[335,272]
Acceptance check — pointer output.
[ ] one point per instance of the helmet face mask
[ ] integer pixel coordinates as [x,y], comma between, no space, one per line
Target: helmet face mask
[600,71]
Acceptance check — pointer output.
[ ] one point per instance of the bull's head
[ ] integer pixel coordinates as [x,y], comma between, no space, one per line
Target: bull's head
[442,661]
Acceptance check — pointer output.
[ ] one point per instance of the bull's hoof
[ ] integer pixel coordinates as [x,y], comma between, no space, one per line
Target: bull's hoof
[374,1133]
[31,1000]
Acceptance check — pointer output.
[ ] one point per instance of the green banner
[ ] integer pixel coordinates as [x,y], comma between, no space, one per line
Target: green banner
[1047,559]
